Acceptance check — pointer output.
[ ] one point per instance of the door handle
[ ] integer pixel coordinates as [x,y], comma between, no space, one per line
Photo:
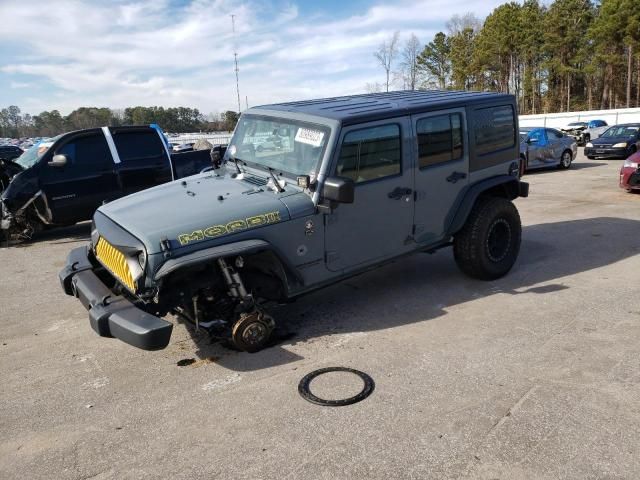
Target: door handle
[455,176]
[399,192]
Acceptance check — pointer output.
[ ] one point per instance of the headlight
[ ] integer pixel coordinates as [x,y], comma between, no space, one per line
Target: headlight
[589,145]
[620,145]
[629,163]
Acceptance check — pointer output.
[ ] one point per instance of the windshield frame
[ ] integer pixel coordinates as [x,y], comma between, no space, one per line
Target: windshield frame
[293,120]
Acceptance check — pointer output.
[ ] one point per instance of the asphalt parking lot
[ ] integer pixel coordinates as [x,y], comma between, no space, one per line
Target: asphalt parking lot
[536,375]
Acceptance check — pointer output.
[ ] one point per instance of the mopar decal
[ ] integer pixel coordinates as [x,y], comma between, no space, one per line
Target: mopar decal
[231,227]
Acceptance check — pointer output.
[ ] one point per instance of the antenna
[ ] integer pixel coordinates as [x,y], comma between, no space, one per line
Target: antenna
[235,58]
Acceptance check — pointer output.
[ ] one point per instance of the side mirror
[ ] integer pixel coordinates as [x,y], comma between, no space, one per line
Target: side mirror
[338,189]
[58,161]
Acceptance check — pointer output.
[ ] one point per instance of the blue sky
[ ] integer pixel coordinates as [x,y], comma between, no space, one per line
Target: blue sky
[71,53]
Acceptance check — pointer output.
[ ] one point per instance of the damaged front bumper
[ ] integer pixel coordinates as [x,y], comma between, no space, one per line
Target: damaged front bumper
[111,315]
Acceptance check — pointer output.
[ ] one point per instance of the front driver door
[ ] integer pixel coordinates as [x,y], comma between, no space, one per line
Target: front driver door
[75,190]
[378,224]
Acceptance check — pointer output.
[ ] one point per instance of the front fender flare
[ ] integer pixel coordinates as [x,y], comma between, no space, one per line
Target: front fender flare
[243,247]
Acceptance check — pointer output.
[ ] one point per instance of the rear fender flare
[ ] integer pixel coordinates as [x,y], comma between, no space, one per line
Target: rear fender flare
[505,186]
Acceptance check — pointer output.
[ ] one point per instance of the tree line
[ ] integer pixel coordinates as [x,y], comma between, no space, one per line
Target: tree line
[567,55]
[15,124]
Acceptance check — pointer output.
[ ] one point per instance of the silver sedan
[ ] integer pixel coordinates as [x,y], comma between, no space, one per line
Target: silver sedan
[546,147]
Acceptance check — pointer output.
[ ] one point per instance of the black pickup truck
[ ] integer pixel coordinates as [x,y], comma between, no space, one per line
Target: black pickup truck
[64,180]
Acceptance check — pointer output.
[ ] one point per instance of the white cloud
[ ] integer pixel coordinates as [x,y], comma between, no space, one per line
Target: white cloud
[151,52]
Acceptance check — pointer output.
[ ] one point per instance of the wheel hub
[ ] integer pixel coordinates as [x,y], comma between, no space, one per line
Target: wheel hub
[254,333]
[499,240]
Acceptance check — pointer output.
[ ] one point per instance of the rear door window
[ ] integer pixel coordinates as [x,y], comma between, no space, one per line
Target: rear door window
[135,145]
[552,133]
[439,139]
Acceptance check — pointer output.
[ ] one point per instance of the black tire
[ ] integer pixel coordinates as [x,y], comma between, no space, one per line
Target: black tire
[565,160]
[591,157]
[488,245]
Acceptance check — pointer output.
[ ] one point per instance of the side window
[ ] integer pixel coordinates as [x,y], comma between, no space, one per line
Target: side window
[87,154]
[439,139]
[494,129]
[138,145]
[537,136]
[370,153]
[554,133]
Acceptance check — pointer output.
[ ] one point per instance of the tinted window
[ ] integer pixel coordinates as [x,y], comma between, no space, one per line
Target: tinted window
[370,153]
[554,133]
[138,145]
[439,139]
[494,129]
[537,136]
[88,154]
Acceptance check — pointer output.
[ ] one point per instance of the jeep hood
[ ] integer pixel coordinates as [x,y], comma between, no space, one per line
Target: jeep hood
[197,209]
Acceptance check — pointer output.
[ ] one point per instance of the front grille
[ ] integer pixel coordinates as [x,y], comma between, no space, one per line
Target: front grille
[114,261]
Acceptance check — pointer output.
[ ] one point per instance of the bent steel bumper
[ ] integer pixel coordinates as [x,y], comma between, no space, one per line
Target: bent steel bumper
[111,315]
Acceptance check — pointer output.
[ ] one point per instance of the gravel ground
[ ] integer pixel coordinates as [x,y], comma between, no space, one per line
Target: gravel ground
[536,375]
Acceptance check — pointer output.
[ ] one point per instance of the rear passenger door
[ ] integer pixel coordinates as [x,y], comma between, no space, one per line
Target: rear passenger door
[143,161]
[556,145]
[378,224]
[442,170]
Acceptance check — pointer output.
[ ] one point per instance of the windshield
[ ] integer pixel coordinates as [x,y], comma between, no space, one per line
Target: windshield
[287,146]
[621,131]
[31,156]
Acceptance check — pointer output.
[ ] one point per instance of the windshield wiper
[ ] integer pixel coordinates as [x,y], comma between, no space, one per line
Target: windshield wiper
[235,161]
[275,180]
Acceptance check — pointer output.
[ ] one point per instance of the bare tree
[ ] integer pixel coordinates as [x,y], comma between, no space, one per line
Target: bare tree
[386,53]
[458,23]
[409,62]
[373,87]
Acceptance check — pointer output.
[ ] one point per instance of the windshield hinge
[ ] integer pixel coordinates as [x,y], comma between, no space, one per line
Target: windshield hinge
[165,246]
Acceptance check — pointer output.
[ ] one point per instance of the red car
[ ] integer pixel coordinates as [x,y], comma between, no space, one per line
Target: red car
[630,173]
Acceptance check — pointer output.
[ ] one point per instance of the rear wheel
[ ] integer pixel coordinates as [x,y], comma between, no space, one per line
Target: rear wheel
[487,246]
[565,159]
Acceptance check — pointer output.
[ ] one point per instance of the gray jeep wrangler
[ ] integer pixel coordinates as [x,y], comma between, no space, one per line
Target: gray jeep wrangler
[309,193]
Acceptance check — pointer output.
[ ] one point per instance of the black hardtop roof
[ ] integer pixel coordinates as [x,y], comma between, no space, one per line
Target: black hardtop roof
[356,108]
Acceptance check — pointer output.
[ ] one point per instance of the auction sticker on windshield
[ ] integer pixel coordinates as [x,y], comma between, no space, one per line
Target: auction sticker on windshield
[310,137]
